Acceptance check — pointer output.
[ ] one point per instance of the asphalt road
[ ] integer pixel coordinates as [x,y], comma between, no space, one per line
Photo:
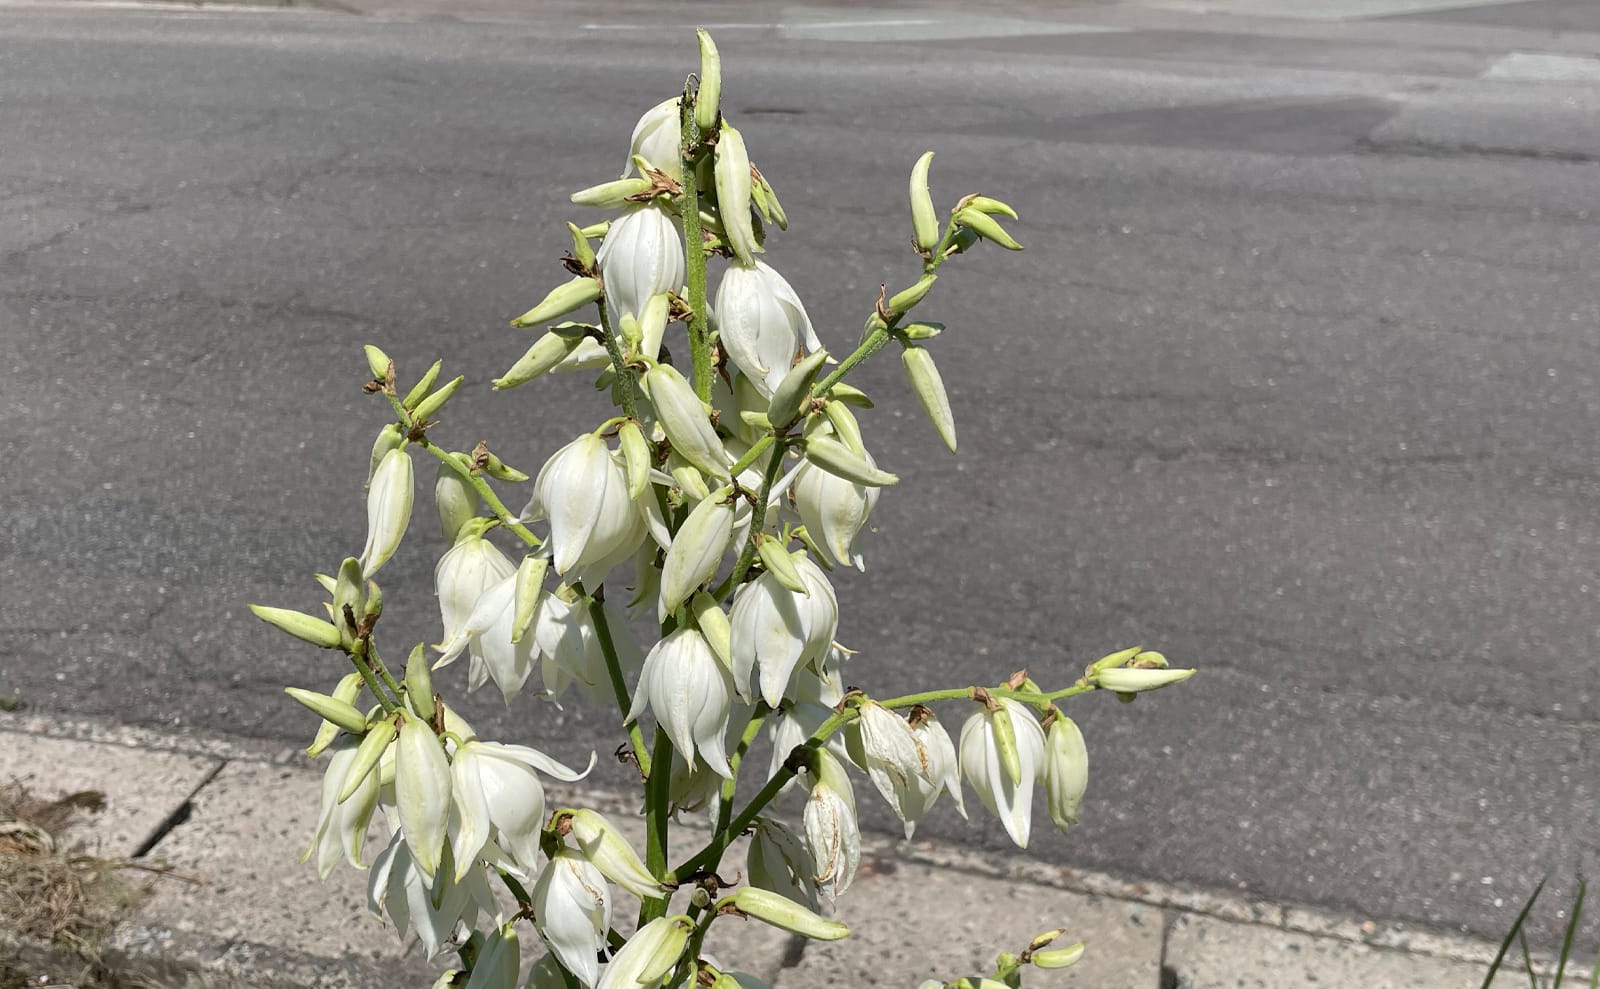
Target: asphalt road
[1296,381]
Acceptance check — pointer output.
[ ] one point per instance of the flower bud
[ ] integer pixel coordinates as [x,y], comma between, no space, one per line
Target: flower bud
[300,625]
[607,850]
[684,419]
[697,549]
[388,438]
[841,461]
[653,324]
[689,481]
[499,961]
[983,204]
[766,199]
[849,394]
[636,457]
[712,622]
[928,386]
[433,403]
[794,390]
[922,331]
[422,793]
[348,690]
[905,299]
[367,756]
[562,299]
[529,589]
[341,713]
[1004,783]
[924,221]
[349,600]
[572,913]
[546,352]
[984,226]
[733,194]
[775,559]
[456,500]
[1129,680]
[612,195]
[581,251]
[656,139]
[388,509]
[785,914]
[378,363]
[707,100]
[422,387]
[844,425]
[641,257]
[1057,958]
[1066,771]
[649,956]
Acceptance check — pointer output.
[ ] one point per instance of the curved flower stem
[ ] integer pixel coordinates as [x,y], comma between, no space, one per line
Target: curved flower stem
[618,363]
[694,255]
[488,495]
[619,686]
[758,521]
[381,670]
[370,678]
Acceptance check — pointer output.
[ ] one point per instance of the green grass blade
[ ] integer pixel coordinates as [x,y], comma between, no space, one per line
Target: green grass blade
[1572,931]
[1511,936]
[1527,959]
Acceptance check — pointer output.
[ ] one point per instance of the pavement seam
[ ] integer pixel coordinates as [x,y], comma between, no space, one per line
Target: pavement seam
[179,814]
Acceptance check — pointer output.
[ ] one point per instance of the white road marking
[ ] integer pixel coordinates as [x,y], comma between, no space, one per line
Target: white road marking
[1540,67]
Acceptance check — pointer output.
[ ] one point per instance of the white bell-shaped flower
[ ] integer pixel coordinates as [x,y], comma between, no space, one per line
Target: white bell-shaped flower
[944,770]
[486,634]
[463,574]
[499,961]
[778,630]
[389,501]
[832,835]
[572,913]
[641,256]
[834,510]
[896,761]
[791,725]
[779,861]
[691,694]
[761,323]
[594,525]
[649,956]
[397,889]
[498,797]
[656,138]
[1004,779]
[342,827]
[422,792]
[570,645]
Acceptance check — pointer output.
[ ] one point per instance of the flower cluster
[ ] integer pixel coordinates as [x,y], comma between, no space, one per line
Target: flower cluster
[729,490]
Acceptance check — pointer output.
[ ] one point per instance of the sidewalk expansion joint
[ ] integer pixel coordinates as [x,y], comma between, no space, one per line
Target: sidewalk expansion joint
[179,816]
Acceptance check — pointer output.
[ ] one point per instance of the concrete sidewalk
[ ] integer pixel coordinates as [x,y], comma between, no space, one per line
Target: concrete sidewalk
[235,816]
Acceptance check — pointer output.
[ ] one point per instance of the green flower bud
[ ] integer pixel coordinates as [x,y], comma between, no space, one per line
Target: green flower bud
[1129,680]
[433,403]
[502,471]
[771,209]
[784,913]
[790,397]
[529,588]
[388,509]
[653,324]
[341,713]
[422,387]
[922,331]
[373,744]
[849,394]
[582,252]
[984,226]
[1118,658]
[596,231]
[546,352]
[562,299]
[389,438]
[419,683]
[1066,771]
[612,195]
[732,172]
[690,481]
[777,561]
[1058,957]
[300,625]
[685,420]
[456,500]
[841,461]
[378,363]
[349,591]
[924,221]
[845,426]
[636,456]
[1005,743]
[755,420]
[706,108]
[607,850]
[348,690]
[983,204]
[929,389]
[697,549]
[714,625]
[903,301]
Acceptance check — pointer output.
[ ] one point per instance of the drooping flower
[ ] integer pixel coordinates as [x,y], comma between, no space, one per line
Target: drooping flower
[779,861]
[464,573]
[486,633]
[655,139]
[498,797]
[834,510]
[944,771]
[832,835]
[691,695]
[761,323]
[594,525]
[1066,771]
[422,792]
[778,630]
[398,889]
[388,508]
[641,256]
[572,913]
[896,760]
[342,827]
[1003,772]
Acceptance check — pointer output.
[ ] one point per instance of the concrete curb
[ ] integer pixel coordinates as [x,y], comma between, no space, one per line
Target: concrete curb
[239,812]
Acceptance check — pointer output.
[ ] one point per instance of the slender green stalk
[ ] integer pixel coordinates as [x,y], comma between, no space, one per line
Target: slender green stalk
[619,686]
[758,521]
[371,680]
[488,495]
[694,255]
[658,800]
[721,835]
[618,364]
[381,670]
[875,341]
[750,456]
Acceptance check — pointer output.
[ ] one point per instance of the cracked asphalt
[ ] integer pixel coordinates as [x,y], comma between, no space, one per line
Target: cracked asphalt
[1296,382]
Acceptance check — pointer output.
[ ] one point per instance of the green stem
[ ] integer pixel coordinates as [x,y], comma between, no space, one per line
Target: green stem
[619,686]
[875,341]
[751,455]
[694,256]
[618,363]
[371,680]
[758,521]
[485,492]
[381,670]
[658,800]
[721,836]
